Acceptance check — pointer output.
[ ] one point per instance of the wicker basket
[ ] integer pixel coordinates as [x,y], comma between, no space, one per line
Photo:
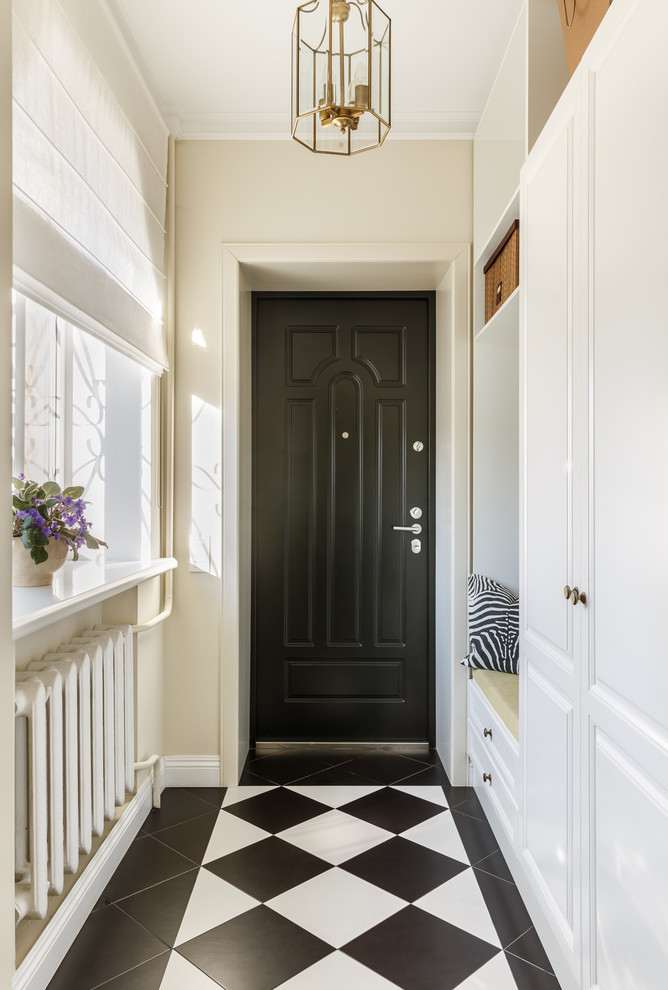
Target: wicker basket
[502,271]
[579,21]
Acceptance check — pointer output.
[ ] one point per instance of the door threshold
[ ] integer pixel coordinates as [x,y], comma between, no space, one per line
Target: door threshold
[398,747]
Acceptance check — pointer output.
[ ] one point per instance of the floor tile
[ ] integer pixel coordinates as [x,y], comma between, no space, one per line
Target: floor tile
[418,951]
[334,796]
[455,795]
[146,862]
[528,977]
[160,909]
[477,836]
[182,975]
[510,916]
[176,806]
[471,806]
[190,838]
[213,902]
[428,793]
[335,836]
[530,948]
[431,757]
[430,775]
[110,943]
[404,868]
[213,795]
[385,768]
[258,950]
[229,834]
[235,794]
[441,835]
[286,768]
[392,809]
[336,907]
[277,809]
[494,975]
[148,976]
[339,775]
[335,972]
[248,779]
[496,865]
[460,903]
[267,868]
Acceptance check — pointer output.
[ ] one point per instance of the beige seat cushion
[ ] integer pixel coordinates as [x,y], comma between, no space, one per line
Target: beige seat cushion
[503,693]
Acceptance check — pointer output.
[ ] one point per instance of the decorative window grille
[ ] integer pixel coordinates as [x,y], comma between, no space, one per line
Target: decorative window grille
[82,415]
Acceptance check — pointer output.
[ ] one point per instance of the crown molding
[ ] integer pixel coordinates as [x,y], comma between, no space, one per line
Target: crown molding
[236,125]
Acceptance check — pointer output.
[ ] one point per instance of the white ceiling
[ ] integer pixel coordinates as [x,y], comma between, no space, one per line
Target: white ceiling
[221,68]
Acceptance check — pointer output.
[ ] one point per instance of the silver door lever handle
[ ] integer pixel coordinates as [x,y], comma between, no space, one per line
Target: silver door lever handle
[415,528]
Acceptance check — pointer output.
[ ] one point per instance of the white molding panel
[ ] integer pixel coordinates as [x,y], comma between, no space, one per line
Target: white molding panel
[192,771]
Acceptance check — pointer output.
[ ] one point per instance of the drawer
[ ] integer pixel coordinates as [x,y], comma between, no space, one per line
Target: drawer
[499,740]
[494,790]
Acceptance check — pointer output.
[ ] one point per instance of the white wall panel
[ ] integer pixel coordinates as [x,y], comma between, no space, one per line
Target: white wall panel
[630,364]
[548,786]
[630,873]
[548,427]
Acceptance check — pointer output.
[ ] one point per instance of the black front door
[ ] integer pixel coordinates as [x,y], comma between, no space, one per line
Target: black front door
[343,436]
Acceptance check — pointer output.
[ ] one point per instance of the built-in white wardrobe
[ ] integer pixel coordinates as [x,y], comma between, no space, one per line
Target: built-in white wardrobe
[589,845]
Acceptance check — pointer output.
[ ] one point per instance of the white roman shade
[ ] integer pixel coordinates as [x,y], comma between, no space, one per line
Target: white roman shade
[90,166]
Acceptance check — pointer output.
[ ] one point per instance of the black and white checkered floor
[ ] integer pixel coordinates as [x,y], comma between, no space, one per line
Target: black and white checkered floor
[353,881]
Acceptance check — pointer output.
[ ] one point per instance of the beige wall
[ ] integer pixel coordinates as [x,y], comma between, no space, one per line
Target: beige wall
[6,659]
[272,192]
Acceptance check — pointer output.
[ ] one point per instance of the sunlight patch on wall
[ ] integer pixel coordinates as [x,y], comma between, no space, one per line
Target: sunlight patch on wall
[206,485]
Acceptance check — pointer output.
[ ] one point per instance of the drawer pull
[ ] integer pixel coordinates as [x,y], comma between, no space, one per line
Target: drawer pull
[488,732]
[487,777]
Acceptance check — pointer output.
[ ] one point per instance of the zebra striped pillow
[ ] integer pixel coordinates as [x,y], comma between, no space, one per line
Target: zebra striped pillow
[494,626]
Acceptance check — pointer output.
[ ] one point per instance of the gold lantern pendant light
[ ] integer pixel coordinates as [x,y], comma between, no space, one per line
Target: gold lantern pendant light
[341,97]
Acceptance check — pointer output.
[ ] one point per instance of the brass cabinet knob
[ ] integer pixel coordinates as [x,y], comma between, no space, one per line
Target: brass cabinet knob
[574,596]
[487,777]
[578,596]
[488,732]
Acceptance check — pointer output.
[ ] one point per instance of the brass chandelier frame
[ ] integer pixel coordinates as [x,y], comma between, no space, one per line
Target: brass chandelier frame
[328,112]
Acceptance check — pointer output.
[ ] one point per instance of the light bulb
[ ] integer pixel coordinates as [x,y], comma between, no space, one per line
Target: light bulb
[327,93]
[359,87]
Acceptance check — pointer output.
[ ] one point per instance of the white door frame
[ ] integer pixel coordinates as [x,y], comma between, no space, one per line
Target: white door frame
[444,268]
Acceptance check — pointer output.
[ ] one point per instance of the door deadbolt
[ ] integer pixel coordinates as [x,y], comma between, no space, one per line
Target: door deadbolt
[418,446]
[416,512]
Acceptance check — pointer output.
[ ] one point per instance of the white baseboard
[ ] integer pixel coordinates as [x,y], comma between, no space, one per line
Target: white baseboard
[192,771]
[46,955]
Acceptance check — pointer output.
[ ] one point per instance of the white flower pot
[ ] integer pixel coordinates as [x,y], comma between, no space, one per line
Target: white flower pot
[26,573]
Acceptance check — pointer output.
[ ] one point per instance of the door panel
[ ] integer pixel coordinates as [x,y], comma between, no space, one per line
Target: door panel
[342,606]
[548,426]
[554,521]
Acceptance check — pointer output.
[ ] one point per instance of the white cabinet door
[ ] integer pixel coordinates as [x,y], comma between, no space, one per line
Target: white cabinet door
[551,627]
[625,688]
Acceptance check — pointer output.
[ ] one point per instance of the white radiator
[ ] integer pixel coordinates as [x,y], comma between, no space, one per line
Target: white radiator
[74,757]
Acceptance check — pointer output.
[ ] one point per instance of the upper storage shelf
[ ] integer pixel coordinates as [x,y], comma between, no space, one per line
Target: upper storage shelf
[530,80]
[510,213]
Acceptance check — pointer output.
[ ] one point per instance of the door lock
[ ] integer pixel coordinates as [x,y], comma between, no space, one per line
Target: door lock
[416,546]
[416,512]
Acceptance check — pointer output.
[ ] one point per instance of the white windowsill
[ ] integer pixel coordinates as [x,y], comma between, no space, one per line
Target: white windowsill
[76,586]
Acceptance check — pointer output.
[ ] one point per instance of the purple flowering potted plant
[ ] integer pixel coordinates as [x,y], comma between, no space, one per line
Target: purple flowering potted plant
[47,522]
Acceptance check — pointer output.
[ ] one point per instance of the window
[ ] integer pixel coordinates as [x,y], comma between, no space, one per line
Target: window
[82,415]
